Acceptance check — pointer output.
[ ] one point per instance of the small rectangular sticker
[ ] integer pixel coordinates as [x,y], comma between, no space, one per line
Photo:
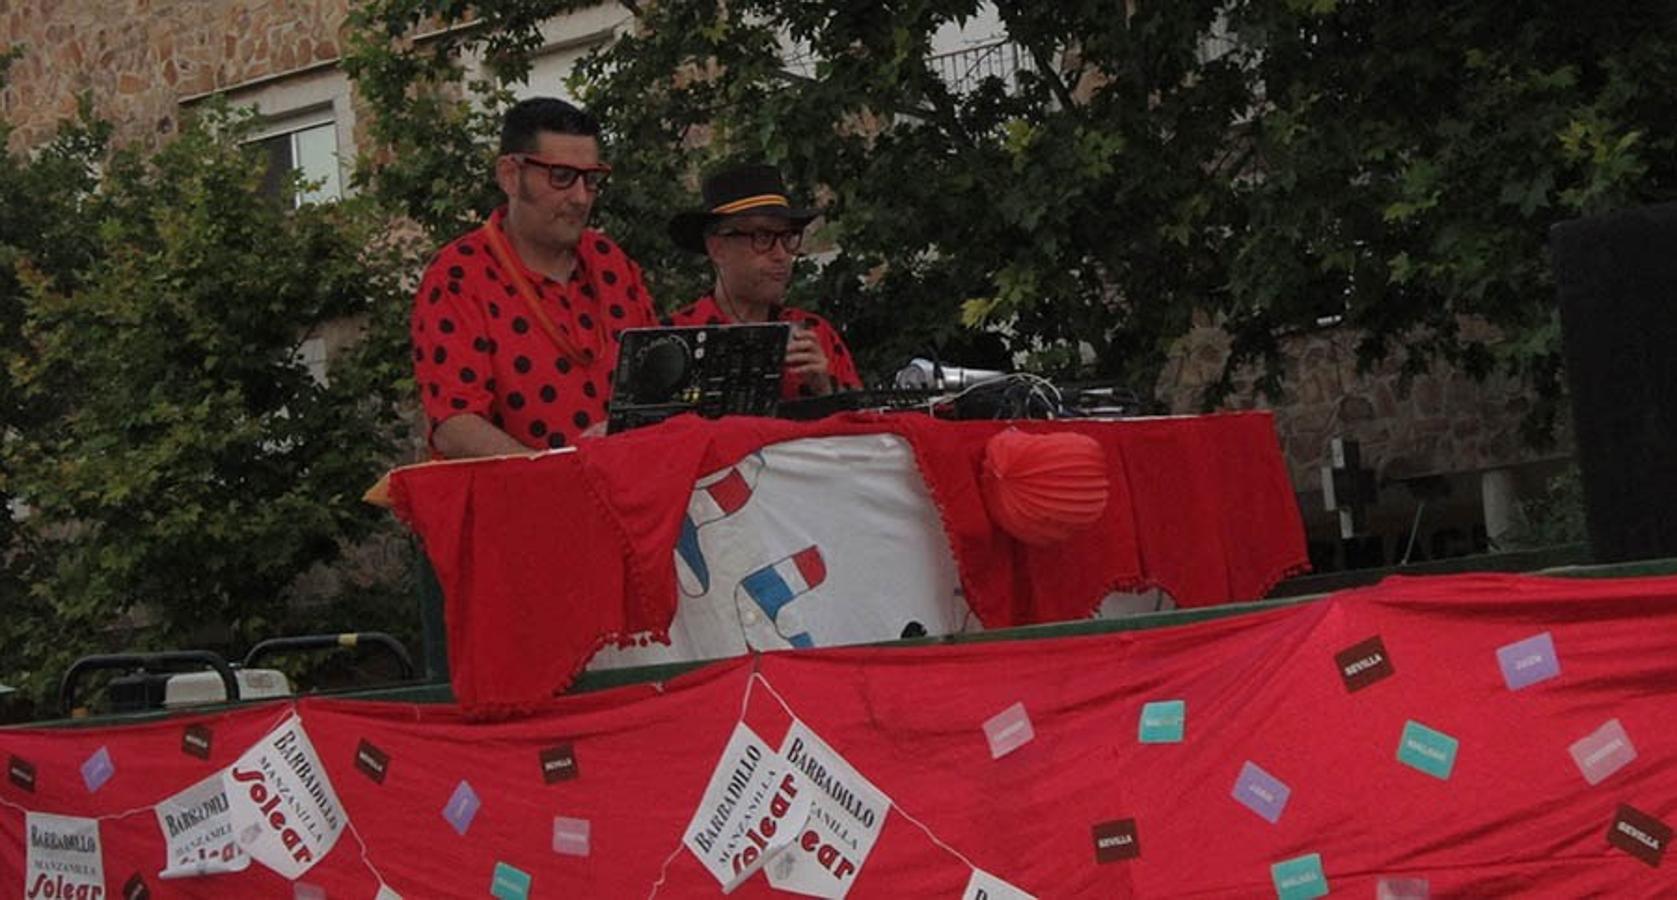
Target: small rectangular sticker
[1639,834]
[1363,664]
[1603,752]
[570,836]
[1299,878]
[1403,889]
[1116,841]
[371,761]
[462,808]
[98,769]
[1427,750]
[196,741]
[1008,730]
[1261,792]
[1525,663]
[558,763]
[509,882]
[1163,722]
[22,773]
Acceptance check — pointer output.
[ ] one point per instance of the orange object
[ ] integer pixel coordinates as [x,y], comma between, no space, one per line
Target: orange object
[1043,488]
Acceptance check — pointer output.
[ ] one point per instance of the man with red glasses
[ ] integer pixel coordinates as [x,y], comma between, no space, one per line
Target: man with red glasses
[515,325]
[752,233]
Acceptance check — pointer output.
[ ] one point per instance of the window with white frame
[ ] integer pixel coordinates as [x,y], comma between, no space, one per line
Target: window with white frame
[567,38]
[306,145]
[306,125]
[550,69]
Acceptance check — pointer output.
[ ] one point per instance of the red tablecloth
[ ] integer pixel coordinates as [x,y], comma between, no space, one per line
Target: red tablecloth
[542,561]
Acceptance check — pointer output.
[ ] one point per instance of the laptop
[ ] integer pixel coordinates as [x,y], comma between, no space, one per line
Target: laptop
[711,370]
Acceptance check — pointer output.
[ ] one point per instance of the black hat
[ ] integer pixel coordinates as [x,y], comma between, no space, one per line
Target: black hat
[754,190]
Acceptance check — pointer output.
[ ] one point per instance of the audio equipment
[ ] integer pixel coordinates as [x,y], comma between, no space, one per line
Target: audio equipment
[1616,277]
[711,370]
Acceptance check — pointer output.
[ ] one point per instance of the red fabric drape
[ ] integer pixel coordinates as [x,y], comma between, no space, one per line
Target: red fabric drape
[1514,817]
[543,561]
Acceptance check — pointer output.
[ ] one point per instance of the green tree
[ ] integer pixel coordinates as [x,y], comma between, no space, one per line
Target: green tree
[1257,164]
[43,198]
[180,465]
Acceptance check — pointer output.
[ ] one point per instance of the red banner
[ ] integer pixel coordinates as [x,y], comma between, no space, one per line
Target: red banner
[1468,736]
[528,550]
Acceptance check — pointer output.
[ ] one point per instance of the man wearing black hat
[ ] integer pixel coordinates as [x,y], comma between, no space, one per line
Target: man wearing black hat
[752,232]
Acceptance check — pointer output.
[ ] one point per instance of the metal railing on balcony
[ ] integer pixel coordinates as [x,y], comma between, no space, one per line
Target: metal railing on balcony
[964,70]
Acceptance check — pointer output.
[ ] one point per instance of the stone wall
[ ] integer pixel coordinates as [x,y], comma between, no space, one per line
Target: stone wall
[1445,422]
[138,58]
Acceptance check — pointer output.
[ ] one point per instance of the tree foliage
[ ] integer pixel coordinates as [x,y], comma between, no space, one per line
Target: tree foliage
[180,466]
[1258,164]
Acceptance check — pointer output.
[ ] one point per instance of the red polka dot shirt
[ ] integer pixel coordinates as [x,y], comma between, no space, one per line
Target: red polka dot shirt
[478,349]
[840,365]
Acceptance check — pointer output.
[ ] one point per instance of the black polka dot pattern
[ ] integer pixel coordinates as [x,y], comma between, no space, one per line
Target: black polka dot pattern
[477,348]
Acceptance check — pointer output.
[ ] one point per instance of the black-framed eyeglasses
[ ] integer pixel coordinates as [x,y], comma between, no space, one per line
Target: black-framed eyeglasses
[764,241]
[563,175]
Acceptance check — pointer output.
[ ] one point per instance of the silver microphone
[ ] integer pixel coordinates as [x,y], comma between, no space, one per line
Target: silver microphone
[923,374]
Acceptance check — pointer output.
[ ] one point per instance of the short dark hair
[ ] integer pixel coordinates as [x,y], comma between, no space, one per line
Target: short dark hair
[529,118]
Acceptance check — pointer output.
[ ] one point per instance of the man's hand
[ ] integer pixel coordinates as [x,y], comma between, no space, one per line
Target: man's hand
[806,360]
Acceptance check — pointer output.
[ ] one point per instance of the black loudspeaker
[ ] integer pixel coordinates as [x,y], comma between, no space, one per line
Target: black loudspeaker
[1616,276]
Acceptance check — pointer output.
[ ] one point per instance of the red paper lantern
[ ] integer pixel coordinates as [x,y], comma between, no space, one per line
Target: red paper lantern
[1043,488]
